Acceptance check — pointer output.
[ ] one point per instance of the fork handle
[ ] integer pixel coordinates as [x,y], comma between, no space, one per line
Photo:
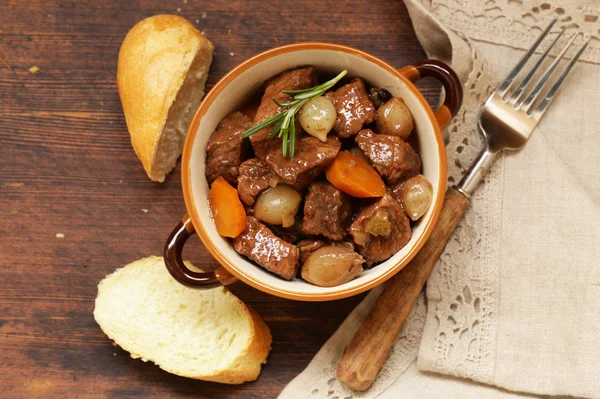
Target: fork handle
[362,359]
[478,169]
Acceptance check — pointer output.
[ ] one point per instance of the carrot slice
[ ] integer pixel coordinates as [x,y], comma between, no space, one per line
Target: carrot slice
[354,176]
[227,210]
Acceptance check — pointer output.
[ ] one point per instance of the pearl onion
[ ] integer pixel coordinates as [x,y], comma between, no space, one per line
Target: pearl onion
[278,205]
[416,194]
[394,118]
[317,117]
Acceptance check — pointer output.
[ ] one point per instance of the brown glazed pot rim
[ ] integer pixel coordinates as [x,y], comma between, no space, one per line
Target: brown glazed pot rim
[191,205]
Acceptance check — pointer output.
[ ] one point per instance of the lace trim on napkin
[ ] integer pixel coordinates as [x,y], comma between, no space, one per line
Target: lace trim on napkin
[517,23]
[463,289]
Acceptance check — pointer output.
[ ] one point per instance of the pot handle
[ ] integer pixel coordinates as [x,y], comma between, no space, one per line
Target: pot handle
[175,265]
[442,72]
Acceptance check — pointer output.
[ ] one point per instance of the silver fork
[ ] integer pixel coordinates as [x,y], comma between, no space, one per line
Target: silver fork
[508,119]
[512,112]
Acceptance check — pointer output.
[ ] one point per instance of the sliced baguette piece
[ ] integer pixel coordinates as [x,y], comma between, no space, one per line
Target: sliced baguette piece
[163,66]
[203,334]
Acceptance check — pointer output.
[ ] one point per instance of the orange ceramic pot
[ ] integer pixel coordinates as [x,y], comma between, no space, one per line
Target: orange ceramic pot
[230,93]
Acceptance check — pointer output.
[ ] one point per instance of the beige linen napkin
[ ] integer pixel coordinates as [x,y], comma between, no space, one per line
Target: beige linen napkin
[515,299]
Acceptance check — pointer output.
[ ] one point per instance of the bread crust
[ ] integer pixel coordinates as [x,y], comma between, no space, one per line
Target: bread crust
[154,60]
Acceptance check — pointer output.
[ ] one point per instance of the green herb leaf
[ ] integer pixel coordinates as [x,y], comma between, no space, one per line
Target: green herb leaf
[321,89]
[284,143]
[262,125]
[276,129]
[293,136]
[283,105]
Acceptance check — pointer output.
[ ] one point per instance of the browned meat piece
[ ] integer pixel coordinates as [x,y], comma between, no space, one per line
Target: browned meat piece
[327,211]
[354,109]
[259,243]
[224,151]
[296,79]
[392,157]
[307,247]
[255,177]
[311,158]
[381,229]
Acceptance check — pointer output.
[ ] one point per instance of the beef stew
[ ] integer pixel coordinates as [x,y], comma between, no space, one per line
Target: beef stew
[331,184]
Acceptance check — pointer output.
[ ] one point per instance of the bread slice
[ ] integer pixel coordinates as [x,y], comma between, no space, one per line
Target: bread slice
[203,334]
[162,70]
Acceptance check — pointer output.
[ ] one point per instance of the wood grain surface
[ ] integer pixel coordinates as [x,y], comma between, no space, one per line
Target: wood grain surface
[75,203]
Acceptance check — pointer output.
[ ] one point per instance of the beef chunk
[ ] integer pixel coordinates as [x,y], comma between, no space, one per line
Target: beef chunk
[381,229]
[255,177]
[311,158]
[224,152]
[354,109]
[307,247]
[327,211]
[259,243]
[296,79]
[392,157]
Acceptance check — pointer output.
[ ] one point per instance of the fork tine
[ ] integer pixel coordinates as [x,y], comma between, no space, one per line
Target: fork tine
[516,95]
[513,74]
[543,105]
[542,82]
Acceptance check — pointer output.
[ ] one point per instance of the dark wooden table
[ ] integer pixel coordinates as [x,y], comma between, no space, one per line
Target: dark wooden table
[67,168]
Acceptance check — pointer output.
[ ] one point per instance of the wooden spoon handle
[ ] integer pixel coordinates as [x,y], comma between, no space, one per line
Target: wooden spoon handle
[369,348]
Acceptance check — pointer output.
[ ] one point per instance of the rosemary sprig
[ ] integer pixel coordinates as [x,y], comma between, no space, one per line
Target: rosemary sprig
[286,119]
